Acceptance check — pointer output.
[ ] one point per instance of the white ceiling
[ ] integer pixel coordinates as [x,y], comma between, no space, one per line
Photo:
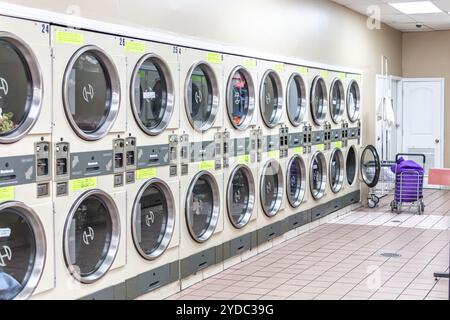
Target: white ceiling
[403,22]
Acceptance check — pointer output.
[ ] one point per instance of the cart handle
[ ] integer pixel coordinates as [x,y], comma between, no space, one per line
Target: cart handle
[421,155]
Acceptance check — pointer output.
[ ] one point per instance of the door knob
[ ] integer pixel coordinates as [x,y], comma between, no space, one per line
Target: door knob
[437,141]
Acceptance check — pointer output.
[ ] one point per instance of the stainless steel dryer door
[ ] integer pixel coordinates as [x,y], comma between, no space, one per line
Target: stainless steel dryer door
[240,98]
[241,196]
[318,175]
[370,166]
[296,181]
[272,188]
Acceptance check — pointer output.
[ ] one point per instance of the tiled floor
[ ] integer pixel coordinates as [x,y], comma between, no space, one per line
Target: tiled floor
[343,260]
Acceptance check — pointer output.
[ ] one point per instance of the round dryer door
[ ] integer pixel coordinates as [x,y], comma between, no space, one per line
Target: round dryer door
[350,166]
[152,94]
[240,98]
[20,88]
[91,93]
[337,171]
[91,236]
[272,183]
[318,175]
[296,180]
[337,104]
[202,97]
[370,166]
[153,219]
[22,251]
[271,99]
[353,101]
[319,100]
[241,196]
[296,100]
[203,206]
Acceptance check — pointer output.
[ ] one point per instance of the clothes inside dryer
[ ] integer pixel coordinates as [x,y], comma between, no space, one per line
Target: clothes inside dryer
[271,188]
[296,99]
[296,181]
[350,166]
[318,177]
[337,105]
[337,170]
[89,92]
[153,219]
[240,92]
[270,99]
[353,101]
[22,251]
[150,94]
[16,89]
[319,100]
[241,196]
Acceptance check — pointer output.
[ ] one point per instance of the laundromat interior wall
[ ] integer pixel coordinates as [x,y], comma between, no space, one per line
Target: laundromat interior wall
[314,30]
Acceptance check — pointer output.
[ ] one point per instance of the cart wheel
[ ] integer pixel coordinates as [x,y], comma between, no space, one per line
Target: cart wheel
[375,199]
[422,207]
[372,204]
[394,206]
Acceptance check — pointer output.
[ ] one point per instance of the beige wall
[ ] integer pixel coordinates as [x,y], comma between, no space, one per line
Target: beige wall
[427,54]
[316,30]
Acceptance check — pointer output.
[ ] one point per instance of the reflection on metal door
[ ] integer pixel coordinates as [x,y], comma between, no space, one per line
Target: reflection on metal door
[423,114]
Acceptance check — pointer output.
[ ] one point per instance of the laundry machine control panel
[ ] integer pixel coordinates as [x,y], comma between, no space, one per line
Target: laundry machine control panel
[355,133]
[271,143]
[327,135]
[344,134]
[259,143]
[226,149]
[17,170]
[296,142]
[307,138]
[130,160]
[43,168]
[284,142]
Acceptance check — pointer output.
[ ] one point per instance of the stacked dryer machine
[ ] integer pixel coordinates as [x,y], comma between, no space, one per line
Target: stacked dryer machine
[297,213]
[26,211]
[272,152]
[202,195]
[89,162]
[240,163]
[152,172]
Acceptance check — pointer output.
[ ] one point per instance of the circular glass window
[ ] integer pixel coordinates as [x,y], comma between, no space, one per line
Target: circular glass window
[350,166]
[296,99]
[353,101]
[202,96]
[202,206]
[153,219]
[241,196]
[20,88]
[91,93]
[271,99]
[91,236]
[337,105]
[296,181]
[271,188]
[318,175]
[337,170]
[22,251]
[319,100]
[152,96]
[240,98]
[370,166]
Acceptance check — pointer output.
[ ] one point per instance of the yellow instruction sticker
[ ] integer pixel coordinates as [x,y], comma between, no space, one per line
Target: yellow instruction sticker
[135,46]
[83,184]
[342,76]
[146,173]
[214,57]
[207,165]
[338,145]
[320,147]
[245,159]
[325,74]
[6,194]
[303,71]
[274,154]
[298,150]
[279,67]
[250,64]
[66,37]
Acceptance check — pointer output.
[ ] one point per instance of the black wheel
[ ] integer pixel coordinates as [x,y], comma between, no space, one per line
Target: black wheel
[372,204]
[375,199]
[394,206]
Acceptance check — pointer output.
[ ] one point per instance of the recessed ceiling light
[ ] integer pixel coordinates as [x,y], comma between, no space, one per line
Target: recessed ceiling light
[415,7]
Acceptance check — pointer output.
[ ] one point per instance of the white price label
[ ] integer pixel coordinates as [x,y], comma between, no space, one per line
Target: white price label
[149,95]
[5,233]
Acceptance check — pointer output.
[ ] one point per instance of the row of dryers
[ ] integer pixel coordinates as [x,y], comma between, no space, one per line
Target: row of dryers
[121,175]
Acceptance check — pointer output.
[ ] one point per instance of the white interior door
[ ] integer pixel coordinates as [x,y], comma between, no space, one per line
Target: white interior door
[423,119]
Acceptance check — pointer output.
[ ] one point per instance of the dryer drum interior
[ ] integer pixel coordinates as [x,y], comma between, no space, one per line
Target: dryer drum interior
[318,175]
[202,206]
[240,98]
[91,236]
[21,88]
[153,219]
[296,181]
[241,196]
[353,101]
[337,171]
[272,188]
[91,93]
[22,251]
[337,105]
[319,100]
[296,99]
[271,99]
[201,96]
[350,166]
[152,94]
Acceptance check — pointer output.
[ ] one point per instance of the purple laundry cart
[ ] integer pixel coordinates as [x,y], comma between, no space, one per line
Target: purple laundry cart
[409,176]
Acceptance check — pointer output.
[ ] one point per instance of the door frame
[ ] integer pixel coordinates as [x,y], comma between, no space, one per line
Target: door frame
[442,111]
